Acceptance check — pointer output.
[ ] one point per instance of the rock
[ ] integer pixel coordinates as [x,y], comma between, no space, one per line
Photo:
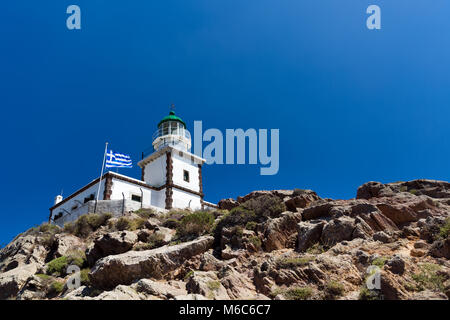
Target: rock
[428,295]
[405,208]
[207,284]
[229,253]
[34,289]
[382,237]
[22,251]
[391,288]
[12,281]
[338,230]
[191,297]
[162,290]
[166,234]
[373,189]
[301,200]
[309,233]
[78,294]
[420,244]
[66,243]
[127,267]
[227,204]
[110,244]
[210,263]
[238,285]
[121,292]
[417,252]
[441,248]
[321,209]
[152,223]
[143,235]
[396,265]
[279,297]
[280,232]
[362,229]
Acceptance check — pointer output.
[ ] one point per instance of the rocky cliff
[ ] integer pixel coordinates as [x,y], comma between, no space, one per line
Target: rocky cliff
[390,242]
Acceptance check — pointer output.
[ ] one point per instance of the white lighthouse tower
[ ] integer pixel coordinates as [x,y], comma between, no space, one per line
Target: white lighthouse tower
[172,170]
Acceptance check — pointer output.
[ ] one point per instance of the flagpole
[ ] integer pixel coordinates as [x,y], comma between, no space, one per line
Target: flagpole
[101,176]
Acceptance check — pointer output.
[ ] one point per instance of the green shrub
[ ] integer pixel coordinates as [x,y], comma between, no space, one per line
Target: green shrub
[59,265]
[86,224]
[43,276]
[251,225]
[366,294]
[298,293]
[49,228]
[155,240]
[288,263]
[444,231]
[317,248]
[256,242]
[265,206]
[213,285]
[126,223]
[413,191]
[195,224]
[188,275]
[380,261]
[84,277]
[334,289]
[429,278]
[145,213]
[55,288]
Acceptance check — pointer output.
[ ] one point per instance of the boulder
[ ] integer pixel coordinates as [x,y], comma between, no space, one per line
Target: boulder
[120,292]
[128,267]
[110,244]
[11,282]
[238,285]
[210,263]
[382,237]
[280,232]
[166,234]
[338,230]
[396,265]
[227,204]
[66,243]
[163,290]
[27,249]
[302,199]
[207,284]
[191,297]
[373,189]
[428,295]
[441,248]
[309,232]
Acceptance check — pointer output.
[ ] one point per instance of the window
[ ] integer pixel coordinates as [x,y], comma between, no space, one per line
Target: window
[56,217]
[74,207]
[186,175]
[91,197]
[136,198]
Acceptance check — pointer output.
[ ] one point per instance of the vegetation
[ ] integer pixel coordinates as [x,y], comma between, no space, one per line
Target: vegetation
[366,294]
[429,277]
[59,265]
[289,263]
[444,231]
[317,248]
[56,288]
[155,240]
[188,275]
[334,289]
[84,277]
[256,242]
[213,285]
[380,261]
[86,224]
[251,225]
[302,293]
[126,223]
[195,224]
[145,213]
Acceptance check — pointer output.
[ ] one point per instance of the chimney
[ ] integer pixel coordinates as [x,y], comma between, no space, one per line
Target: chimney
[58,199]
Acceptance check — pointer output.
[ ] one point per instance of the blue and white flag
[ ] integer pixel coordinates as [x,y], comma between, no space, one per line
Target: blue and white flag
[118,160]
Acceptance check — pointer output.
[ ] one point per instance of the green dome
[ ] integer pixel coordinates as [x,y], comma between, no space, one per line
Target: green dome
[171,117]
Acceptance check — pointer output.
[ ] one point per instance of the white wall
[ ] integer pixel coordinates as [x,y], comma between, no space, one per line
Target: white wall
[179,165]
[80,197]
[155,172]
[128,190]
[181,200]
[158,198]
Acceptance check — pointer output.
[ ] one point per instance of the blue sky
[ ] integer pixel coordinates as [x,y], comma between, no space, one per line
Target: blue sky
[352,105]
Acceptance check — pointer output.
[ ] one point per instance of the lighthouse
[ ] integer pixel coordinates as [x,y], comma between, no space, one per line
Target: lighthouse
[172,167]
[171,178]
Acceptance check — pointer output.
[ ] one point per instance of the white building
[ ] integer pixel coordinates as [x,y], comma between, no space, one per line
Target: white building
[171,178]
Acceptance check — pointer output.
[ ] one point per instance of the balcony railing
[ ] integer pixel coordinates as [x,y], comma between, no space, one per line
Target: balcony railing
[171,131]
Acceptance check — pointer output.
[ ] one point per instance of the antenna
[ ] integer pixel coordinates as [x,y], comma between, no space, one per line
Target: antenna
[172,107]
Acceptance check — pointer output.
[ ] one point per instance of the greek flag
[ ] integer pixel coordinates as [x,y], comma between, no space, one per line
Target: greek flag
[118,160]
